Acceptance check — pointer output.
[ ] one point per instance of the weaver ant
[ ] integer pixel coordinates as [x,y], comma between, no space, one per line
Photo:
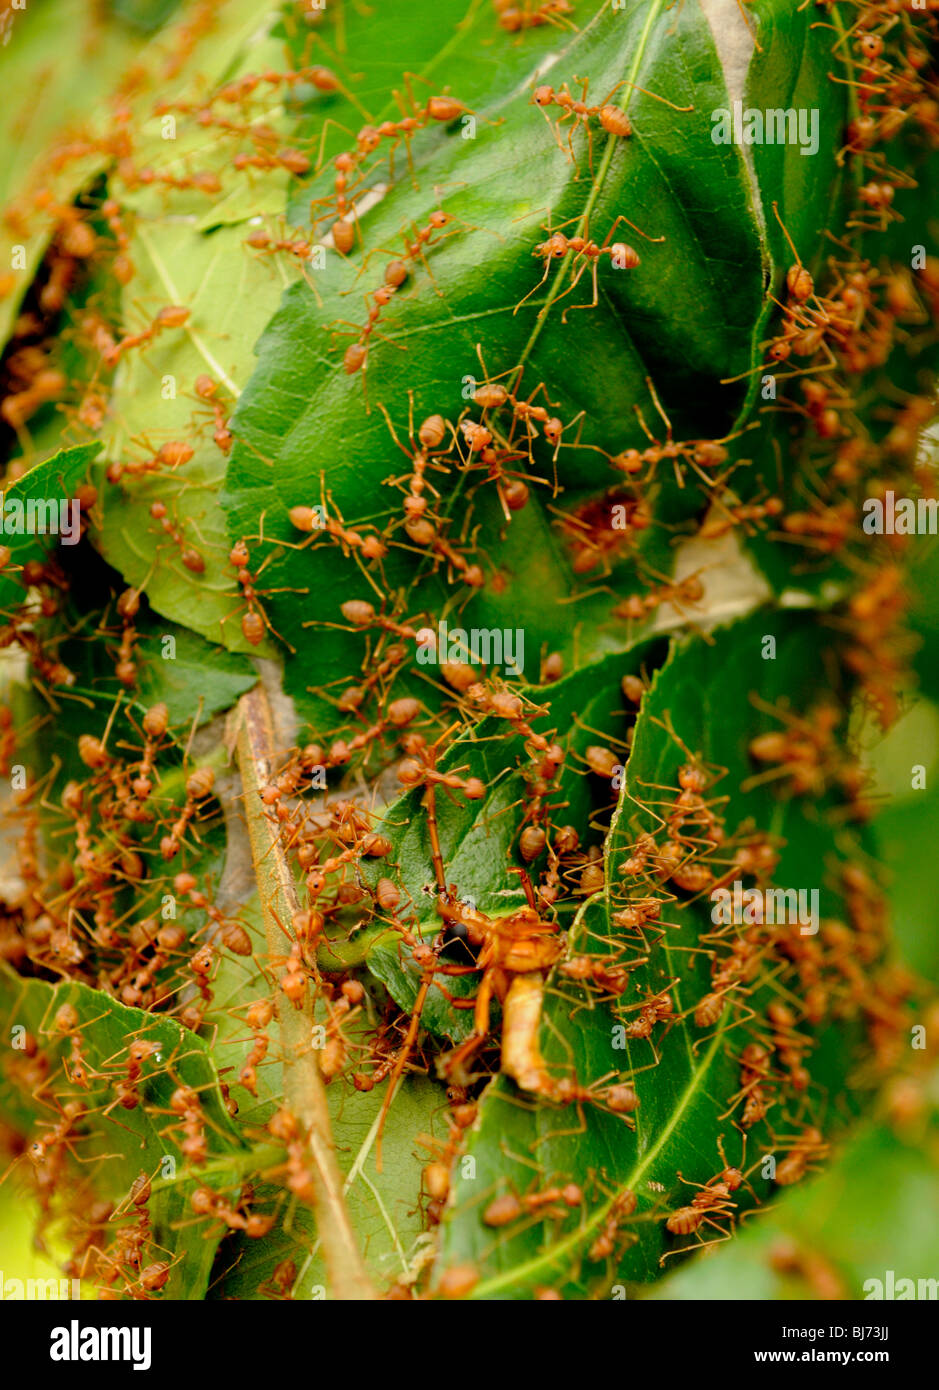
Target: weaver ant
[612,119]
[254,622]
[699,454]
[555,1202]
[515,16]
[558,246]
[396,272]
[171,316]
[207,390]
[710,1204]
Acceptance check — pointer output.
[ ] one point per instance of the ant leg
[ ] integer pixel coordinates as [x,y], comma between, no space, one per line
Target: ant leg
[745,1018]
[453,1063]
[553,126]
[329,121]
[589,129]
[409,453]
[578,276]
[625,82]
[658,405]
[570,141]
[592,305]
[547,268]
[430,804]
[620,217]
[527,888]
[752,32]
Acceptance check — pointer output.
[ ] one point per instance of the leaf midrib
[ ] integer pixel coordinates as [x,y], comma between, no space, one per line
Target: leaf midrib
[567,263]
[530,1268]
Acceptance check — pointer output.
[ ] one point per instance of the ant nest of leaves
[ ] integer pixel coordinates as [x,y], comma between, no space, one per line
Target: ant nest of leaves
[328,892]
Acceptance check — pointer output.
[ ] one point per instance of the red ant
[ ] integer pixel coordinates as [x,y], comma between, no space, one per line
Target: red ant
[509,1208]
[397,716]
[421,527]
[356,355]
[559,245]
[699,454]
[803,1152]
[515,17]
[303,252]
[122,266]
[328,520]
[190,557]
[66,1023]
[203,181]
[230,933]
[254,623]
[612,118]
[206,390]
[205,1201]
[708,1206]
[439,109]
[294,161]
[258,1018]
[171,316]
[430,436]
[128,607]
[622,1207]
[171,455]
[199,786]
[185,1103]
[755,1085]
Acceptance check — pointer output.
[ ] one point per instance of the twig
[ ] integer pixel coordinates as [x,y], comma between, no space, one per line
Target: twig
[304,1090]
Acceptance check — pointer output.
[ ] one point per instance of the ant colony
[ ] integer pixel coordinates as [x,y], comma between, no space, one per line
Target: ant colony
[444,651]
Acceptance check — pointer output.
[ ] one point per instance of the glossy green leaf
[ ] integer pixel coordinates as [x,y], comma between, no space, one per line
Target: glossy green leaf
[707,694]
[304,415]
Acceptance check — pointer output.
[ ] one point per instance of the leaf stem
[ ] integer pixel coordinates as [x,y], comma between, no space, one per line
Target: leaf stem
[304,1089]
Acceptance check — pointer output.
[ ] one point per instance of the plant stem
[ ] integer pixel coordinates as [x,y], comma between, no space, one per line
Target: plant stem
[304,1089]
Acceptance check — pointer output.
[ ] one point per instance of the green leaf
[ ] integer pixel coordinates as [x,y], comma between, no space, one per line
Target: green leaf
[381,1200]
[861,1221]
[708,695]
[55,480]
[304,415]
[382,1204]
[116,1143]
[195,679]
[228,292]
[48,46]
[45,44]
[145,15]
